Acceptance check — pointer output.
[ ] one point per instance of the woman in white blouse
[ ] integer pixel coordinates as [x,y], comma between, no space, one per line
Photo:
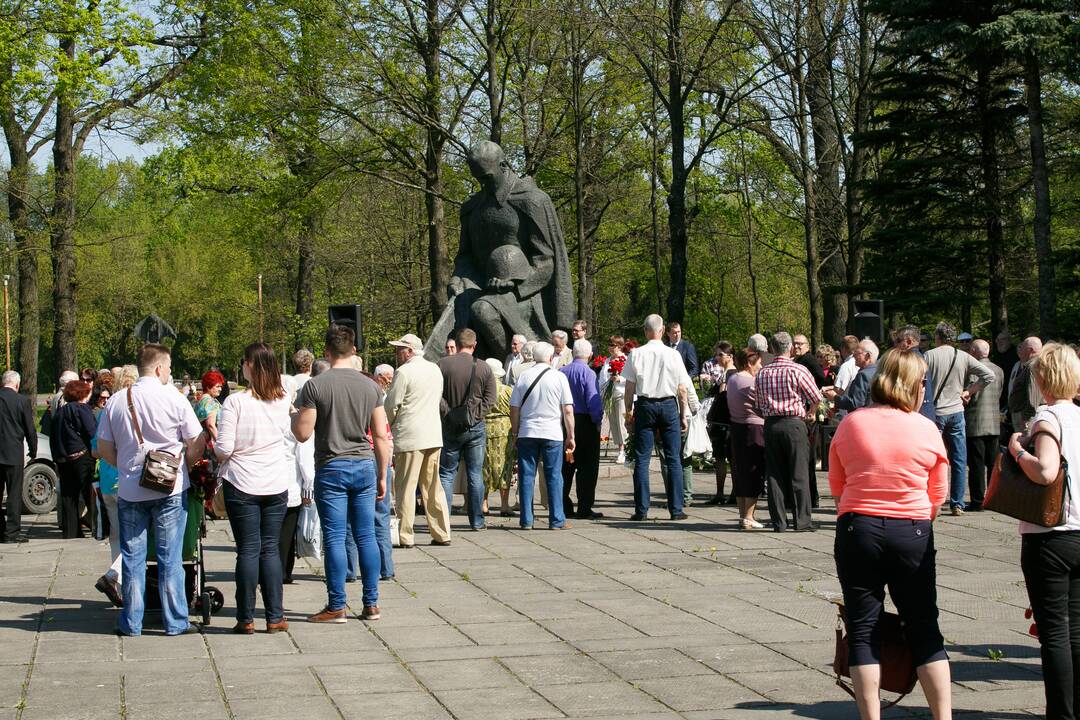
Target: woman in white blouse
[251,446]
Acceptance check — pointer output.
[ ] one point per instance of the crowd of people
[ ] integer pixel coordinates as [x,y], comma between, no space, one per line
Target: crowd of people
[905,433]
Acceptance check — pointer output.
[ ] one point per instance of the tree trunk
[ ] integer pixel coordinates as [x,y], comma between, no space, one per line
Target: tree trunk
[1041,186]
[438,258]
[28,322]
[679,236]
[305,270]
[654,210]
[494,88]
[992,204]
[859,153]
[62,232]
[829,208]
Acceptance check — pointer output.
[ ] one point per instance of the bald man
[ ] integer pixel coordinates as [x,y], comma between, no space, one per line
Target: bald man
[1024,396]
[982,416]
[857,394]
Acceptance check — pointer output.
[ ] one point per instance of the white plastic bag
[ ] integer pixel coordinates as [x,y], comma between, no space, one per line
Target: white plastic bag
[309,533]
[697,437]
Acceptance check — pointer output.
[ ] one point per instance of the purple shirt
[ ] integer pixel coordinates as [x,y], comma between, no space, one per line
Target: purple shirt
[584,389]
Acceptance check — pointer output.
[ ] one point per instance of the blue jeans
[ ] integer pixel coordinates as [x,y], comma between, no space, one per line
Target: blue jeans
[382,536]
[530,450]
[168,516]
[469,446]
[954,433]
[382,528]
[345,491]
[256,525]
[661,416]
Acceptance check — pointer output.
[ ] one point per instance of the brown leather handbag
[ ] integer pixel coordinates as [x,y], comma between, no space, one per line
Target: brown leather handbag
[897,667]
[1012,493]
[160,468]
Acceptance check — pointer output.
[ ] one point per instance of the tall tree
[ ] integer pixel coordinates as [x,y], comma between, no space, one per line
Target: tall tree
[109,60]
[26,100]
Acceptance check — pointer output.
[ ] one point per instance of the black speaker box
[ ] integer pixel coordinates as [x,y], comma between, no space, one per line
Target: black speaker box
[350,316]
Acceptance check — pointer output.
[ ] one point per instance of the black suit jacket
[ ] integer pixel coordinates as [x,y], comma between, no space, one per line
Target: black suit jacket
[808,361]
[688,353]
[16,425]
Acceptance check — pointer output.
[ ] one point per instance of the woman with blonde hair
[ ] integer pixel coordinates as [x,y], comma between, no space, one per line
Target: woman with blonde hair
[1050,557]
[889,473]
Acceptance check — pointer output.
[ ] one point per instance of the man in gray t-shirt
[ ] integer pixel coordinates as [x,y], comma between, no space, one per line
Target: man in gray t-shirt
[343,400]
[340,406]
[950,369]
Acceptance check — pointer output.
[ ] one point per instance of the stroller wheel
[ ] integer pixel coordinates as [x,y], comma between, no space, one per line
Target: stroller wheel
[217,599]
[204,605]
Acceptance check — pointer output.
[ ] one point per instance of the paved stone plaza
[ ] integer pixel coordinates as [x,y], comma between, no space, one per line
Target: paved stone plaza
[612,619]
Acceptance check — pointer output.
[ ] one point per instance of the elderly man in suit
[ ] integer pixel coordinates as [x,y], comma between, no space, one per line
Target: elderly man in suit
[16,426]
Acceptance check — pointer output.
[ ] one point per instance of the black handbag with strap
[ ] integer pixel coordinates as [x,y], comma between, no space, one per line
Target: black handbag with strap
[458,419]
[160,468]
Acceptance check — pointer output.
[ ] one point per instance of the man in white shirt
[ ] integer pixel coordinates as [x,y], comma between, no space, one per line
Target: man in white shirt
[542,424]
[412,409]
[384,376]
[655,373]
[514,358]
[303,360]
[166,422]
[848,368]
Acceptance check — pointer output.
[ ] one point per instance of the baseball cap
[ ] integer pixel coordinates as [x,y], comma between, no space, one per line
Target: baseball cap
[409,341]
[965,336]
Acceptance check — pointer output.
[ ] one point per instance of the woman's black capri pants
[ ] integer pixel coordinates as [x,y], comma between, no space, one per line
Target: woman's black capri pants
[872,552]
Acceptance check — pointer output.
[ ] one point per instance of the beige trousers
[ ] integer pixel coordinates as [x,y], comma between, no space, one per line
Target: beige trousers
[420,467]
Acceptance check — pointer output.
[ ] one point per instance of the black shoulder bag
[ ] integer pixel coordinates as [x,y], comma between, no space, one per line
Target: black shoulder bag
[160,468]
[458,419]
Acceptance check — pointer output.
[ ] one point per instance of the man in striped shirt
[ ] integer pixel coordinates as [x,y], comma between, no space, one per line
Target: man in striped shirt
[785,391]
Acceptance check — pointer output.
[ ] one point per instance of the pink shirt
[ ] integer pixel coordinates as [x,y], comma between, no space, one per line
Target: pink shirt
[741,399]
[888,463]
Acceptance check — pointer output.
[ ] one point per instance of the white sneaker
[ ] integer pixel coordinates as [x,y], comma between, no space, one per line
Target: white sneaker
[621,460]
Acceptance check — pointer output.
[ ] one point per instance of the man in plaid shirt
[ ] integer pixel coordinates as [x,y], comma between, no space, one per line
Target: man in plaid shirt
[785,391]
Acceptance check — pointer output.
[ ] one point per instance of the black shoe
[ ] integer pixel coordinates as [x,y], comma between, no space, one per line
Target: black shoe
[386,577]
[973,507]
[714,500]
[731,500]
[191,629]
[638,517]
[441,543]
[812,527]
[678,516]
[590,516]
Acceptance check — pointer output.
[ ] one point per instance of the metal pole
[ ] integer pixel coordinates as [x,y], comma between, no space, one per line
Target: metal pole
[7,323]
[260,309]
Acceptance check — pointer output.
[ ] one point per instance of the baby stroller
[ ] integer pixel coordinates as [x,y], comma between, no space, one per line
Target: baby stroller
[202,598]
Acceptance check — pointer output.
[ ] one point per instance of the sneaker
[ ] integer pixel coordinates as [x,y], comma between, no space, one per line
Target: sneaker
[371,612]
[679,516]
[957,511]
[564,526]
[621,460]
[326,615]
[110,589]
[638,517]
[280,626]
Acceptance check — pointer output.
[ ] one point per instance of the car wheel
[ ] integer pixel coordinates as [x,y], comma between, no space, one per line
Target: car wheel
[41,488]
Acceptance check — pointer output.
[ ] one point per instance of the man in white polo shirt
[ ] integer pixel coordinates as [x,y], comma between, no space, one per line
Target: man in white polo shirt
[166,422]
[655,373]
[542,423]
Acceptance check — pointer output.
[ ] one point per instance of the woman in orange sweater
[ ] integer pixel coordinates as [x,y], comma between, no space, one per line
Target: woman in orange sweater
[889,473]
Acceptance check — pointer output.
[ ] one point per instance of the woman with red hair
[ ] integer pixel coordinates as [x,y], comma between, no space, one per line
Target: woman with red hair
[208,407]
[74,428]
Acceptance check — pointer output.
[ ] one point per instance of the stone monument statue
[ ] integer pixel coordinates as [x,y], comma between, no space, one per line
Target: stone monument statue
[512,274]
